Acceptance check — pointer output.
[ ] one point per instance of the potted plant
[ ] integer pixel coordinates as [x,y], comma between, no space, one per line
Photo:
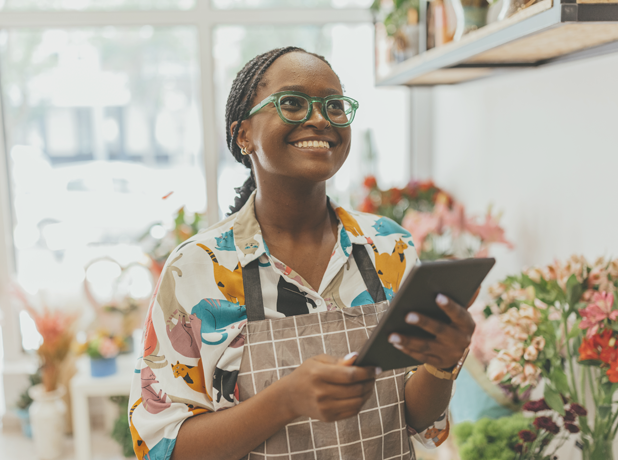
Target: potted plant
[102,348]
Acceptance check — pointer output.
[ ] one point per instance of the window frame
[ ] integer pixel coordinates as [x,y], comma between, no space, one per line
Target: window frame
[204,18]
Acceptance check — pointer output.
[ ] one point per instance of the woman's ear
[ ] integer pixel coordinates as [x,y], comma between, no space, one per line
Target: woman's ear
[243,140]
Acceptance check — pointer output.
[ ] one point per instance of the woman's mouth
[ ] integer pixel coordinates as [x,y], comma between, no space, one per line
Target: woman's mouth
[312,144]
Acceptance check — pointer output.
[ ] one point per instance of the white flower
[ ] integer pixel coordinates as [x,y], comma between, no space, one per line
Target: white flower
[531,353]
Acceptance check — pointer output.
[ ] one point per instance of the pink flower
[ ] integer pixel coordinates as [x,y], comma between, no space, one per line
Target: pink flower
[531,353]
[420,225]
[597,311]
[489,231]
[538,343]
[108,348]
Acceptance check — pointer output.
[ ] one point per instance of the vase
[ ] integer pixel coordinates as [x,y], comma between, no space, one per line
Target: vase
[102,367]
[445,22]
[599,449]
[47,417]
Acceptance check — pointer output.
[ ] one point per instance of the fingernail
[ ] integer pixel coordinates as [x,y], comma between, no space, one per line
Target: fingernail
[412,318]
[394,338]
[350,355]
[378,370]
[441,299]
[398,346]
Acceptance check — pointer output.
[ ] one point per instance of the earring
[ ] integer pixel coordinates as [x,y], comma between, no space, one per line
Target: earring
[244,151]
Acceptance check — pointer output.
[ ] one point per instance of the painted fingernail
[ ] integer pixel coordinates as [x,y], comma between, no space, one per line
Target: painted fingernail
[398,346]
[350,355]
[378,370]
[441,299]
[394,338]
[412,318]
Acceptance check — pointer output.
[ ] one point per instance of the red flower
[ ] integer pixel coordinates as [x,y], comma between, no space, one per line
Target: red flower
[579,410]
[370,182]
[569,416]
[527,435]
[367,206]
[608,355]
[536,406]
[546,423]
[518,448]
[587,350]
[395,195]
[571,428]
[612,372]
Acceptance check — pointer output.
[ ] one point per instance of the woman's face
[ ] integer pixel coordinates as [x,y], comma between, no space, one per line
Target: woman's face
[274,145]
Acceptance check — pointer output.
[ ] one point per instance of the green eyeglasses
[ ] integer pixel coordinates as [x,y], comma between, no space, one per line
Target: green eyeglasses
[295,108]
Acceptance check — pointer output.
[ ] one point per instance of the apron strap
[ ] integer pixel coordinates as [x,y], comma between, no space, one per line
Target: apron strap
[253,287]
[253,291]
[368,272]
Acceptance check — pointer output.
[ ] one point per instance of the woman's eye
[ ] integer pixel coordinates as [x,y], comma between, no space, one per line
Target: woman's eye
[290,102]
[335,105]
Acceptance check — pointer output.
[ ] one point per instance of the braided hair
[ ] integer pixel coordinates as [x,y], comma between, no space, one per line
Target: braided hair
[239,102]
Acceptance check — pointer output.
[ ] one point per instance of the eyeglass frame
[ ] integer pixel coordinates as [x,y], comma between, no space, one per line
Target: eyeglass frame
[276,97]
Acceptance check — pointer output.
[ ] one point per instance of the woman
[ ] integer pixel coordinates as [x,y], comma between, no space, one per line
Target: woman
[288,255]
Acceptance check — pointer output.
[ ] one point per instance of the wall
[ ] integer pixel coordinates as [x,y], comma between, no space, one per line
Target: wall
[541,145]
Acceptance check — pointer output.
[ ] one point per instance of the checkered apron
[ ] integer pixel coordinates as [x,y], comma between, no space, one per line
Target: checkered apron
[274,348]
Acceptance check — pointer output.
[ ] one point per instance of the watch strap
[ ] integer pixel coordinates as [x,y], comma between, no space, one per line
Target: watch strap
[450,373]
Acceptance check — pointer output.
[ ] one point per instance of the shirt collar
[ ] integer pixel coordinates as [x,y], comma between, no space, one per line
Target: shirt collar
[248,234]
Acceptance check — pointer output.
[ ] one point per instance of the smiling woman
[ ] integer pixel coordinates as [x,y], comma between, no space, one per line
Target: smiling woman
[259,310]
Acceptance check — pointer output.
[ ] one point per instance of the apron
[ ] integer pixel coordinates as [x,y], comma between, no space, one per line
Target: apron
[275,347]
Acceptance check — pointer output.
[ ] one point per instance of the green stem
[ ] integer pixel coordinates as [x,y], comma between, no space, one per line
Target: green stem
[574,393]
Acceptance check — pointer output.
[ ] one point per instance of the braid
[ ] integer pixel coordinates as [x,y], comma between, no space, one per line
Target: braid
[239,102]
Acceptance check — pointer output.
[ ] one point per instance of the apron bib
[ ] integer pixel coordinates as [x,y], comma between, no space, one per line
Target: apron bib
[275,347]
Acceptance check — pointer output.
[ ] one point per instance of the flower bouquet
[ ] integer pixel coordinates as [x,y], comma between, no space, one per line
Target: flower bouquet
[560,321]
[103,348]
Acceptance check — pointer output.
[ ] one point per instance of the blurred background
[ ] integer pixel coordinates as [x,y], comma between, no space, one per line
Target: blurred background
[112,151]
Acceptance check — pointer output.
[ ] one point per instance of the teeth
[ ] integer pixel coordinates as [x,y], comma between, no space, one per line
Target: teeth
[312,144]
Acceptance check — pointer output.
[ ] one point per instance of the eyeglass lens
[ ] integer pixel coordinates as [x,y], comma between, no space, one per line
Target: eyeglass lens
[294,108]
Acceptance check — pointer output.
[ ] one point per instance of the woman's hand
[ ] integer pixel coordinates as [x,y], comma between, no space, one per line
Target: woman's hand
[450,342]
[327,388]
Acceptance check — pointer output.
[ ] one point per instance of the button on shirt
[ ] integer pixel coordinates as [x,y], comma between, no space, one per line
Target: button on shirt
[193,335]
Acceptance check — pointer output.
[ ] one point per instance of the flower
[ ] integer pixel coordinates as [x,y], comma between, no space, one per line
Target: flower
[531,353]
[612,372]
[536,406]
[597,311]
[108,348]
[579,409]
[370,182]
[587,350]
[497,370]
[519,448]
[538,343]
[547,424]
[527,435]
[571,428]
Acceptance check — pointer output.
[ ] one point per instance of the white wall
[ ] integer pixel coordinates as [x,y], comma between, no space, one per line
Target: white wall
[541,145]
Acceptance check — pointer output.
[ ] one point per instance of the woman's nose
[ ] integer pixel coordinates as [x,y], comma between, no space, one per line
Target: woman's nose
[317,119]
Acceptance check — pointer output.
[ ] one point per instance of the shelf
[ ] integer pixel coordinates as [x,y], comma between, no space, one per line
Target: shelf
[545,33]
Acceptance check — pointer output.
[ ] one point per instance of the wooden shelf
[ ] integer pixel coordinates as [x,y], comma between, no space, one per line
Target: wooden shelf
[548,32]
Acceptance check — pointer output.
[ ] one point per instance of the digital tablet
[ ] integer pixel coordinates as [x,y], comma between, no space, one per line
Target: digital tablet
[457,279]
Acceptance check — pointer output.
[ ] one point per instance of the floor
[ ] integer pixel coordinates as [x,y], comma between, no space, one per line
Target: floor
[15,446]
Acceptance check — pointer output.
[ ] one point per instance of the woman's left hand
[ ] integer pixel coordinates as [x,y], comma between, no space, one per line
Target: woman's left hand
[450,342]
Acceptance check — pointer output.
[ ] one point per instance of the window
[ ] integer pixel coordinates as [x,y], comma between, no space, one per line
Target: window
[104,121]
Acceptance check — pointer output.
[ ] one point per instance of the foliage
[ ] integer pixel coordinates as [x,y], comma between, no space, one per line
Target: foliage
[561,322]
[121,432]
[393,14]
[24,398]
[489,439]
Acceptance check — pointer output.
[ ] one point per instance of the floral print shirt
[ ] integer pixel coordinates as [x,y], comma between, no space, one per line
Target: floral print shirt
[193,334]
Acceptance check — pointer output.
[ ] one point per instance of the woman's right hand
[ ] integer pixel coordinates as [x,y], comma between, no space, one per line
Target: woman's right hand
[327,389]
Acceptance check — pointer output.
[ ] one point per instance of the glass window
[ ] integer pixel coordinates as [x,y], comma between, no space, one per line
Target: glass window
[259,4]
[51,5]
[381,125]
[101,123]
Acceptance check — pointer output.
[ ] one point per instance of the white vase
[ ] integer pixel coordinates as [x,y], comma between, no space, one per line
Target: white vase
[48,419]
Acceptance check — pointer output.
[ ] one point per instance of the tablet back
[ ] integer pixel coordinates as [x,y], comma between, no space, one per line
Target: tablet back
[457,279]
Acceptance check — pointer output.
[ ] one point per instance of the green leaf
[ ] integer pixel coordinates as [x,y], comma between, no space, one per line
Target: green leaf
[553,399]
[559,379]
[604,410]
[487,312]
[575,330]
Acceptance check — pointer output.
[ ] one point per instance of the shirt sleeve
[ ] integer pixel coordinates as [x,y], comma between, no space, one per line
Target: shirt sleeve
[181,372]
[438,432]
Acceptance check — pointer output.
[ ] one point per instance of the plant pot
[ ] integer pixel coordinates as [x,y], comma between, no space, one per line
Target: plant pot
[47,417]
[24,418]
[102,367]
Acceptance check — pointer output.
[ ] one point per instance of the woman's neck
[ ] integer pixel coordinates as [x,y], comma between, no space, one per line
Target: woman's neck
[292,208]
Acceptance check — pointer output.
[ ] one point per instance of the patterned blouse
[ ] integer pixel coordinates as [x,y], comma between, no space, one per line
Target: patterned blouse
[193,340]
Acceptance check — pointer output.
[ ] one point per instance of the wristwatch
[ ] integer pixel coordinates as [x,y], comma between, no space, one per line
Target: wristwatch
[448,374]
